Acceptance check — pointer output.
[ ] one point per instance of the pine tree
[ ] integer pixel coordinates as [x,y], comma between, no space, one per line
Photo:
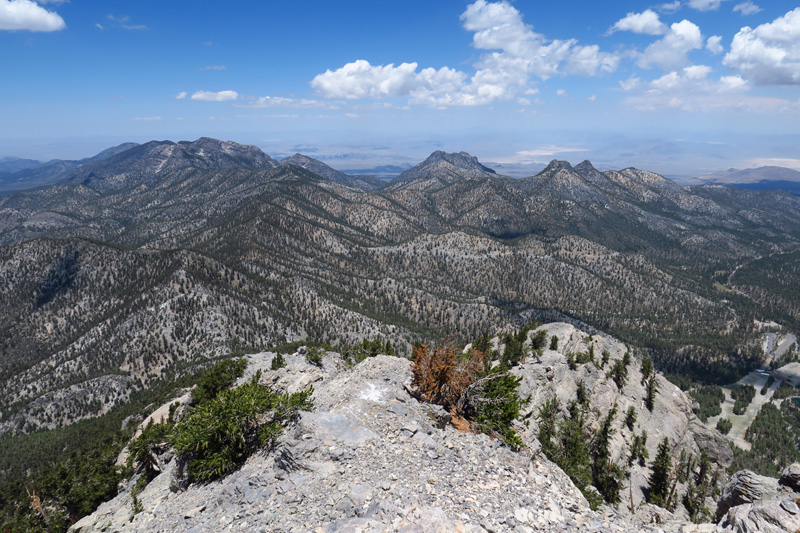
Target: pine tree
[554,342]
[573,456]
[607,475]
[658,482]
[547,426]
[278,362]
[606,355]
[630,417]
[582,394]
[639,449]
[651,393]
[619,373]
[647,369]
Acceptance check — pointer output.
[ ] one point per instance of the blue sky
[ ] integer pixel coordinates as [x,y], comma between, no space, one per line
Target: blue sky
[684,87]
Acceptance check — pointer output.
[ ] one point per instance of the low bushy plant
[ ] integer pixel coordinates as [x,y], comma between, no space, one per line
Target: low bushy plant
[314,355]
[278,362]
[217,436]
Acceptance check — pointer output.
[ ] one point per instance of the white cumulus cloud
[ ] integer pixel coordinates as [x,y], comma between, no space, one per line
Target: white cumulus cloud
[359,79]
[27,15]
[646,22]
[714,44]
[514,54]
[747,8]
[210,96]
[671,51]
[181,95]
[770,53]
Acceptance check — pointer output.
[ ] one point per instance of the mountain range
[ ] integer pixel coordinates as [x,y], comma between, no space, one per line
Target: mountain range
[19,174]
[145,264]
[758,179]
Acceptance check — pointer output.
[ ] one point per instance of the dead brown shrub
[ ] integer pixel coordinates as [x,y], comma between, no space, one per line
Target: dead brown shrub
[443,375]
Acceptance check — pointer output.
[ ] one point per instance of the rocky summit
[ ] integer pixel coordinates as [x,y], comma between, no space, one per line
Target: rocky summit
[371,457]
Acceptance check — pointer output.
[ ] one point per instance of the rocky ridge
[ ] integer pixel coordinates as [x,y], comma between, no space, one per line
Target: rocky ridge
[370,457]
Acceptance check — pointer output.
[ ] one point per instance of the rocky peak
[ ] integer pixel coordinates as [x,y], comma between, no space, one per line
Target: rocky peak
[555,165]
[586,168]
[145,162]
[210,153]
[441,169]
[462,160]
[315,166]
[560,181]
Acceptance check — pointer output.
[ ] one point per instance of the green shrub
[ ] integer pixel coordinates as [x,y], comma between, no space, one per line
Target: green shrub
[314,355]
[462,384]
[368,348]
[554,342]
[497,404]
[143,447]
[724,426]
[218,436]
[219,377]
[277,362]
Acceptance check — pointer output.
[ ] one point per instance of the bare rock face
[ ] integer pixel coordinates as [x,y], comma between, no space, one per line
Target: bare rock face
[747,487]
[712,442]
[777,516]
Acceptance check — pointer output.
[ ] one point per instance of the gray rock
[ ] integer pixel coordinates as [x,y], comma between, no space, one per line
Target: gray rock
[746,487]
[338,427]
[790,477]
[714,444]
[770,517]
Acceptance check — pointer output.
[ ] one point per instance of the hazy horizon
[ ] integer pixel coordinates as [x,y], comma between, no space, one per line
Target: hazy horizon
[680,88]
